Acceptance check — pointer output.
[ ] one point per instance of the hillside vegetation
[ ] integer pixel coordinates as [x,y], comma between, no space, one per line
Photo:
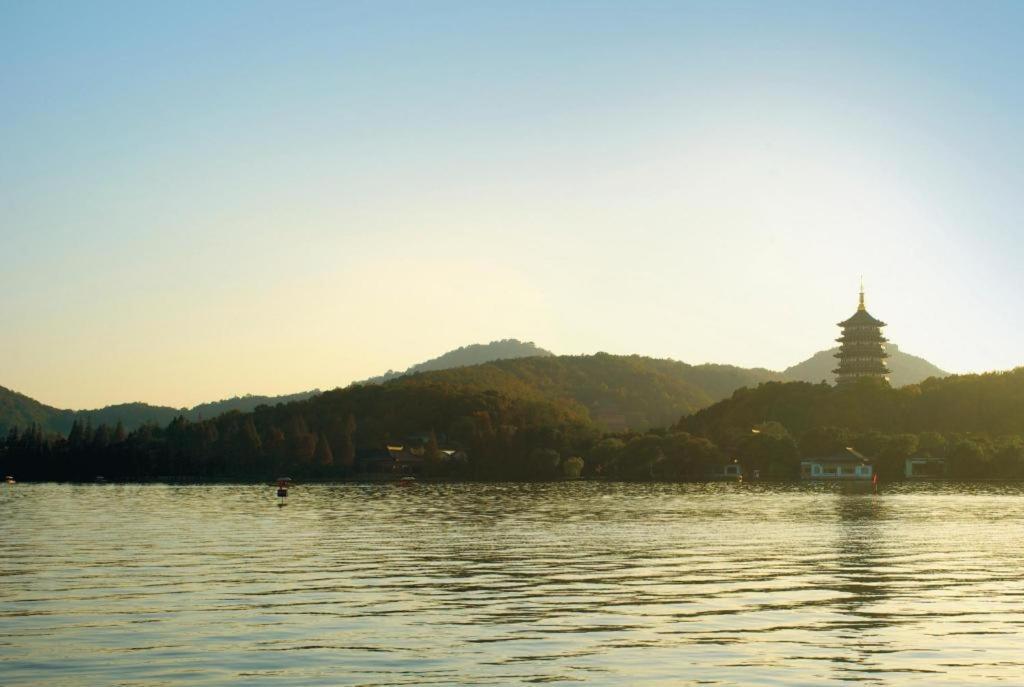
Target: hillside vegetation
[535,419]
[616,392]
[18,410]
[500,414]
[474,354]
[906,369]
[973,422]
[618,402]
[990,403]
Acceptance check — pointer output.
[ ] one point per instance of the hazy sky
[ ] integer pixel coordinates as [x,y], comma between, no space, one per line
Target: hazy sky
[201,199]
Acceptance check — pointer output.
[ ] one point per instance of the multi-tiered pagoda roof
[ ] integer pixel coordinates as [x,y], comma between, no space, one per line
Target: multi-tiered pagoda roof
[862,347]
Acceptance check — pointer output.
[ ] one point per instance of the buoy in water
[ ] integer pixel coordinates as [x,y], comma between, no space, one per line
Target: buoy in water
[282,487]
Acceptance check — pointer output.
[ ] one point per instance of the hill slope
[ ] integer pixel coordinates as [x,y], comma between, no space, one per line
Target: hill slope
[499,413]
[18,410]
[515,426]
[618,392]
[244,404]
[906,369]
[990,404]
[474,354]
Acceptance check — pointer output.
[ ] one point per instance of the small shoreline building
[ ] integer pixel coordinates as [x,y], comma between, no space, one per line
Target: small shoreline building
[400,460]
[848,464]
[862,348]
[923,466]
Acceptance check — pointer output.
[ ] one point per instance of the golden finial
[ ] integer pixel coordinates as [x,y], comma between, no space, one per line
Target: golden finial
[861,306]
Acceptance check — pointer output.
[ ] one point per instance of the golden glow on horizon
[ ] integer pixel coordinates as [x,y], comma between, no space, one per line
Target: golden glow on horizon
[215,219]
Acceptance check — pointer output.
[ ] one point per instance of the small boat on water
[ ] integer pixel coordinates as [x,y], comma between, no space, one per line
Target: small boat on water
[8,479]
[407,481]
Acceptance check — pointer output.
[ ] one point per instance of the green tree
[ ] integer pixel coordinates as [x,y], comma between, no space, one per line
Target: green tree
[544,463]
[322,454]
[871,443]
[642,458]
[76,438]
[119,433]
[433,457]
[771,450]
[687,457]
[572,467]
[1008,457]
[348,447]
[101,438]
[932,444]
[966,459]
[251,443]
[605,456]
[824,441]
[891,461]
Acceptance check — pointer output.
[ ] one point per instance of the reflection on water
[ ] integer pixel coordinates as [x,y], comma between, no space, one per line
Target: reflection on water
[504,584]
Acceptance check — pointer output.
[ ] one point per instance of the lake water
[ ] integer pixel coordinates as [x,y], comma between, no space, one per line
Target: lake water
[509,584]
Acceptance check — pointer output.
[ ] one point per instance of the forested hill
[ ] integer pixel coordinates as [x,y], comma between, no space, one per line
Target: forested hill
[535,418]
[906,369]
[615,392]
[243,404]
[18,410]
[618,392]
[474,354]
[988,404]
[510,419]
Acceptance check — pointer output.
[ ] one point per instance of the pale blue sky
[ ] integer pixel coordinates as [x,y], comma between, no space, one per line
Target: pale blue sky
[203,199]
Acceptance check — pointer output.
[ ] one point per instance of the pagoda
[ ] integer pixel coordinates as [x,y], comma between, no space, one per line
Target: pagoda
[862,347]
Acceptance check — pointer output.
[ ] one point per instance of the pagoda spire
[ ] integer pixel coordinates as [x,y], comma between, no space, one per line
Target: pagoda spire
[861,307]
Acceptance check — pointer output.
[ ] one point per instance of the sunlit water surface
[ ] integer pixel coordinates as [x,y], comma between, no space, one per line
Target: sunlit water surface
[506,584]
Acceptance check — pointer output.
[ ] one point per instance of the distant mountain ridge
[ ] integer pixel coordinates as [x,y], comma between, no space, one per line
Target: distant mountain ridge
[244,404]
[18,410]
[474,354]
[618,392]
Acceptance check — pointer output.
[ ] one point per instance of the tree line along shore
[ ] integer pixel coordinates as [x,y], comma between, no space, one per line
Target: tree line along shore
[515,431]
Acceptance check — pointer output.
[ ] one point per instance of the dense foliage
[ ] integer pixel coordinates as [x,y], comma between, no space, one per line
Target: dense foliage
[974,422]
[503,416]
[18,410]
[316,438]
[539,418]
[474,354]
[990,403]
[618,392]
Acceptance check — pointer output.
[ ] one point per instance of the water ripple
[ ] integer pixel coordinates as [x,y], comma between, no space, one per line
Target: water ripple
[601,583]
